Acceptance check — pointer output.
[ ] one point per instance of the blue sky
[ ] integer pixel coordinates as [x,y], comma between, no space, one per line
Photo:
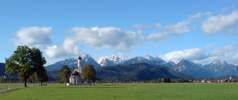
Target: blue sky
[164,28]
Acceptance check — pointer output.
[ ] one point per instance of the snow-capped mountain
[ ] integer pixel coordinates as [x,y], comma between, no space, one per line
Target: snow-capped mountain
[111,60]
[147,59]
[72,63]
[119,60]
[216,68]
[221,67]
[192,69]
[156,60]
[87,59]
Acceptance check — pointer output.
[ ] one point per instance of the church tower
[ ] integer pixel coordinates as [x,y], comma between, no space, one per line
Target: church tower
[79,67]
[75,78]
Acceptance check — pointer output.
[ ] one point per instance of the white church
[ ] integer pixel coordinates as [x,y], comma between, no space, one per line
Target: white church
[75,77]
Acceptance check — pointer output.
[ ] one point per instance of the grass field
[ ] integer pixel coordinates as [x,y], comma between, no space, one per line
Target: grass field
[124,92]
[9,87]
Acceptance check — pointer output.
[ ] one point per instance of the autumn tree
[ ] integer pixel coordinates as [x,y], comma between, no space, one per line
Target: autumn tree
[64,74]
[42,75]
[38,61]
[89,73]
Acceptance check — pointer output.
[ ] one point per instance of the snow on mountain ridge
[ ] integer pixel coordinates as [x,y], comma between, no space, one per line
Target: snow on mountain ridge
[72,63]
[111,60]
[115,60]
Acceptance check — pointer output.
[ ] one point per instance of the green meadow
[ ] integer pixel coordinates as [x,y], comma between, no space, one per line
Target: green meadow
[173,91]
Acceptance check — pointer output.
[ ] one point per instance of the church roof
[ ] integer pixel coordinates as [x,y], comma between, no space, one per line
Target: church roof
[75,72]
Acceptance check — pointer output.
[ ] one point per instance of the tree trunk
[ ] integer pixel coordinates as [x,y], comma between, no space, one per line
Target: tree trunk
[25,83]
[25,80]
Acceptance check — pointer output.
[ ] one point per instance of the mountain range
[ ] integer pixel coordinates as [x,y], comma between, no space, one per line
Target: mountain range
[72,63]
[145,68]
[116,67]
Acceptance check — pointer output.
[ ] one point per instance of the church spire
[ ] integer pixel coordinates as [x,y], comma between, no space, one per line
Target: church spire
[79,67]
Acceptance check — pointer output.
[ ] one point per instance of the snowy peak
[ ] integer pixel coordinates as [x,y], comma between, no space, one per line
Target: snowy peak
[184,65]
[87,59]
[155,60]
[72,63]
[103,61]
[120,60]
[147,59]
[185,62]
[219,62]
[215,68]
[111,60]
[136,60]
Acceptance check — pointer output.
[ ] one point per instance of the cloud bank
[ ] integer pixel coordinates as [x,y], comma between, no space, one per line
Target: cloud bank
[34,36]
[221,23]
[119,39]
[191,54]
[108,37]
[227,53]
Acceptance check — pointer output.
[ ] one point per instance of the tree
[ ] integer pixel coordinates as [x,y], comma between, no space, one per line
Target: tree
[89,73]
[64,74]
[25,61]
[38,61]
[42,75]
[20,62]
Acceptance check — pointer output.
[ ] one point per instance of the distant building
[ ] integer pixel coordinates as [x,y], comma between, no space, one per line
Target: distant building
[75,77]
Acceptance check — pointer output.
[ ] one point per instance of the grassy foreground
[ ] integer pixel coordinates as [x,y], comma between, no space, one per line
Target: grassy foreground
[125,92]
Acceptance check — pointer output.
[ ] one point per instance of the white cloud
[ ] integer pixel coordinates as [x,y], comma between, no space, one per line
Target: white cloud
[178,28]
[119,39]
[109,37]
[68,49]
[53,51]
[227,53]
[190,54]
[221,23]
[39,37]
[34,36]
[210,24]
[156,36]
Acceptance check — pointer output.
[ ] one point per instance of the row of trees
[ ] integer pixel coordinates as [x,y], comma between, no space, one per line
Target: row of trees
[28,63]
